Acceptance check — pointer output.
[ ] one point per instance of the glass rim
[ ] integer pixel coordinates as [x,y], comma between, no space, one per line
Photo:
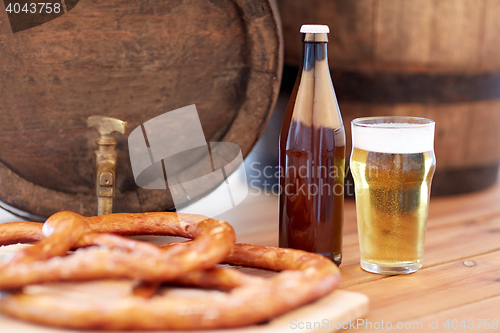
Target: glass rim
[409,121]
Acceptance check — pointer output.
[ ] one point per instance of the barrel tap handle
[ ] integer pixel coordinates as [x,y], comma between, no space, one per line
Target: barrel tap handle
[105,157]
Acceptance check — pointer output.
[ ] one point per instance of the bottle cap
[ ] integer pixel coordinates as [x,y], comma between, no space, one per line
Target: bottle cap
[314,29]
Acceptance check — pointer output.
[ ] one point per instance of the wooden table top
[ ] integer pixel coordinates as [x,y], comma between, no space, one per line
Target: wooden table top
[458,287]
[460,277]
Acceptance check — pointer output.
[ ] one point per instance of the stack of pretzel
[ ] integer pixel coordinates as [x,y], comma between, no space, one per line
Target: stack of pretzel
[69,247]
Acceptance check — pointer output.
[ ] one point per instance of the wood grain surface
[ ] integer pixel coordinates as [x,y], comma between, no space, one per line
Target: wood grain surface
[459,278]
[339,307]
[329,312]
[132,60]
[435,35]
[426,58]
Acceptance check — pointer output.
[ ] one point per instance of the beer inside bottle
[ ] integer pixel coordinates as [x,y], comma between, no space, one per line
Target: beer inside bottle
[392,165]
[312,157]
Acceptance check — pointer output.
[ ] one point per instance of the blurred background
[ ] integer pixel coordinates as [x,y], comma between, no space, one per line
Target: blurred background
[438,59]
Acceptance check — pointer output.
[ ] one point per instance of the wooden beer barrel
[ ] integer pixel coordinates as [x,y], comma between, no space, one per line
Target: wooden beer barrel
[131,60]
[433,59]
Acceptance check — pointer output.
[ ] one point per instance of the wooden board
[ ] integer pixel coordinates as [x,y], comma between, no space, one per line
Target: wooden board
[338,307]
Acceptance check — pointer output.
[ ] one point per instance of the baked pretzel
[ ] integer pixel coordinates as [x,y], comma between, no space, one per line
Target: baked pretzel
[249,300]
[46,262]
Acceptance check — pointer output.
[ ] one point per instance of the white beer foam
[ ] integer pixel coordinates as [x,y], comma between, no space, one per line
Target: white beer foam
[394,138]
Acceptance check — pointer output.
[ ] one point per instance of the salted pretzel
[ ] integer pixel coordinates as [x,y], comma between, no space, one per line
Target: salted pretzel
[249,300]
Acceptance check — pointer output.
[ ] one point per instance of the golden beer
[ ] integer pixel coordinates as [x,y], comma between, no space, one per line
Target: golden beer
[392,164]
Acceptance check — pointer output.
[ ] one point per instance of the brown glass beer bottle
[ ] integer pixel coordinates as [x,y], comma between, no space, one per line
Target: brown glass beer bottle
[312,156]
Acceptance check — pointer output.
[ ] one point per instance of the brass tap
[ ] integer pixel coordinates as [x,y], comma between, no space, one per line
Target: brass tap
[105,157]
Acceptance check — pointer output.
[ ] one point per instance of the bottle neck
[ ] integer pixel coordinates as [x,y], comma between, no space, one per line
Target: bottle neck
[313,51]
[312,54]
[318,38]
[316,104]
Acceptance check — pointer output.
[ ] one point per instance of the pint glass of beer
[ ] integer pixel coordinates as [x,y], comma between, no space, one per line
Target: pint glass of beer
[392,164]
